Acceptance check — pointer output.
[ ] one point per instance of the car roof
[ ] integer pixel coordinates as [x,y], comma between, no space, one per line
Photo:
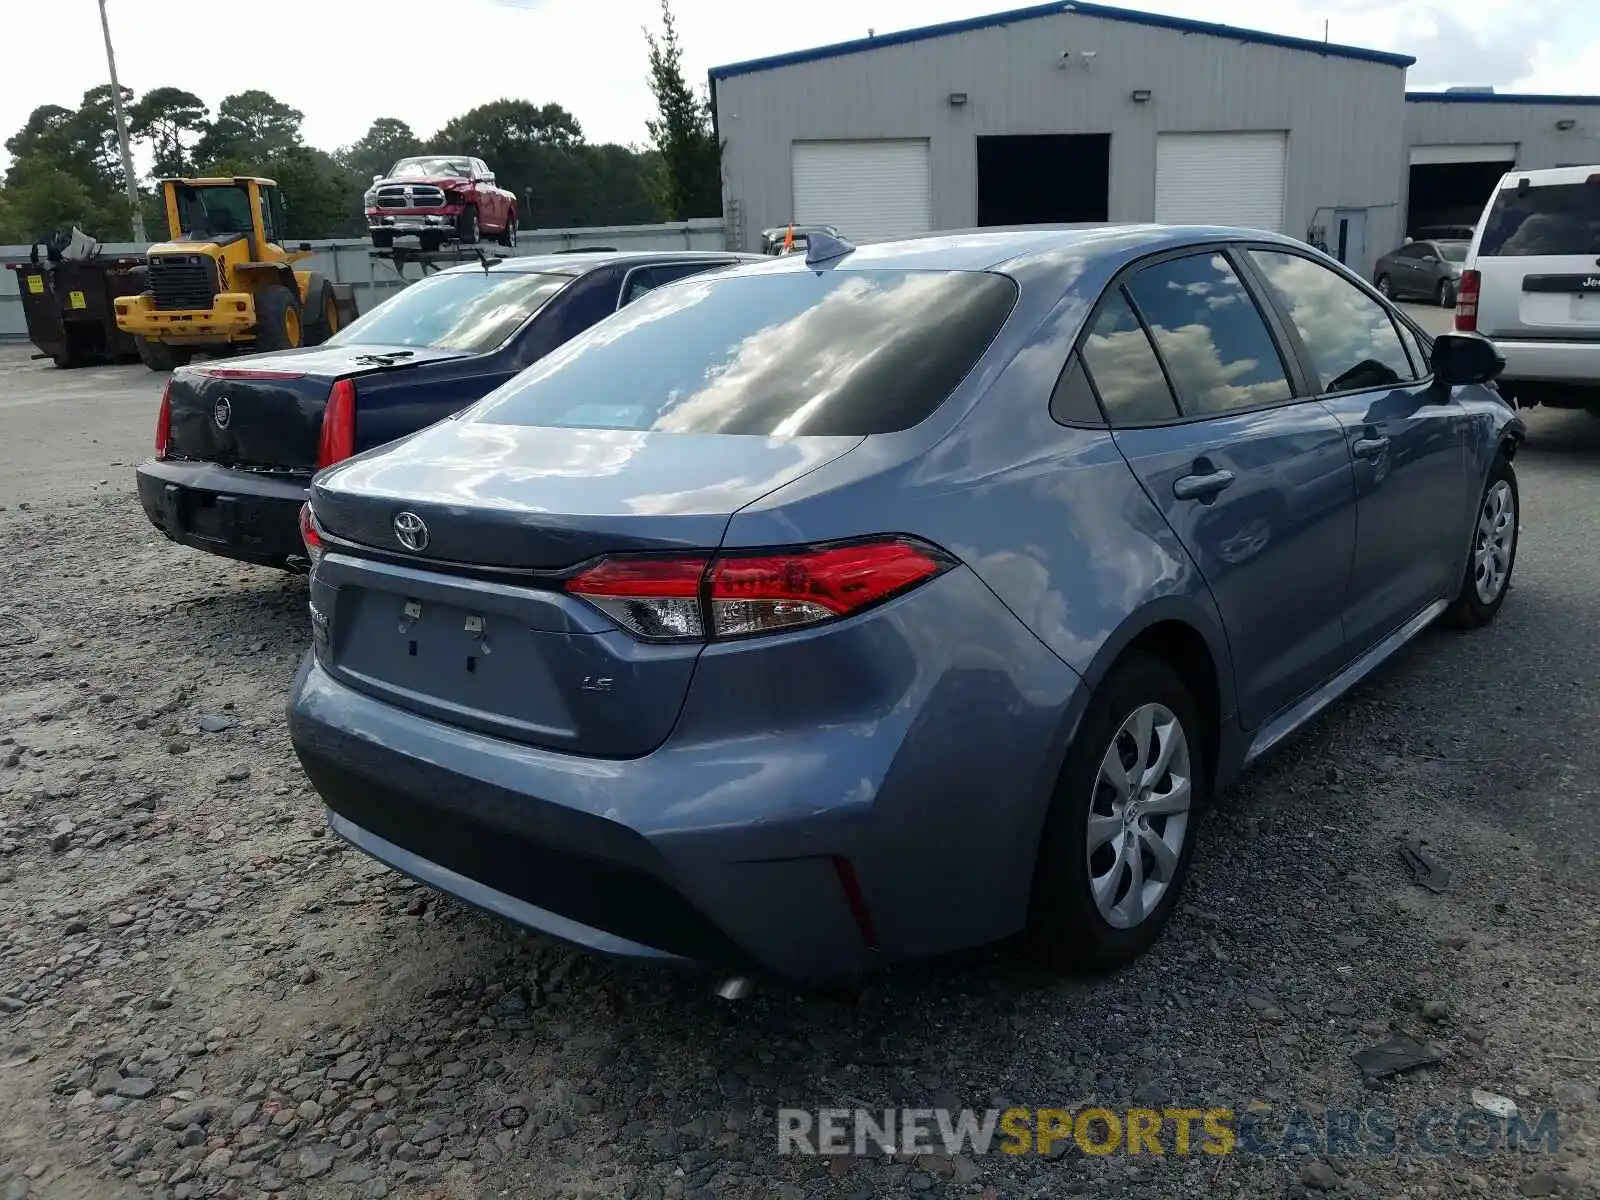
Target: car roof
[982,250]
[1550,176]
[582,262]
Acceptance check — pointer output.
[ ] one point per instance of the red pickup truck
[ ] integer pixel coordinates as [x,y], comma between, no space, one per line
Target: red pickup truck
[440,198]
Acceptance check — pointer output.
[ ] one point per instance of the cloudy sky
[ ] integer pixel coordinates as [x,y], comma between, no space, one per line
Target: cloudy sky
[344,62]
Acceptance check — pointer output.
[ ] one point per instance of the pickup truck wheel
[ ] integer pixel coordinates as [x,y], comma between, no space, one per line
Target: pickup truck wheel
[467,225]
[382,239]
[323,321]
[277,318]
[509,237]
[159,356]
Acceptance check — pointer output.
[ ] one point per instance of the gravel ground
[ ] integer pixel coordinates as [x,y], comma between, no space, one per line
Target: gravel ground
[202,994]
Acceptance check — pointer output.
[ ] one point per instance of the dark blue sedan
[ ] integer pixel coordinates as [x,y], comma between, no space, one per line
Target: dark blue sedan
[237,441]
[875,603]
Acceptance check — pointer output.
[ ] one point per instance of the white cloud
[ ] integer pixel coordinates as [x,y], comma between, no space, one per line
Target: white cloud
[344,62]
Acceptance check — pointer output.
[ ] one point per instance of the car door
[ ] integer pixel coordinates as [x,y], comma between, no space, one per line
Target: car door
[1407,441]
[491,200]
[1254,480]
[1414,276]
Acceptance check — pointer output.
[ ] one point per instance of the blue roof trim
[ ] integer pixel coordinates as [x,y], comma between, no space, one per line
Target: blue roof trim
[1104,12]
[1495,98]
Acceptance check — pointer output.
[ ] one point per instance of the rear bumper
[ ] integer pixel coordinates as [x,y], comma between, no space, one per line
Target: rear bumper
[724,846]
[1572,363]
[237,514]
[230,314]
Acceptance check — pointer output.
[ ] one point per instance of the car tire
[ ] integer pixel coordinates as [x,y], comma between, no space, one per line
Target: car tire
[1084,914]
[1495,532]
[278,324]
[324,320]
[509,237]
[1385,287]
[383,239]
[1446,295]
[159,356]
[467,226]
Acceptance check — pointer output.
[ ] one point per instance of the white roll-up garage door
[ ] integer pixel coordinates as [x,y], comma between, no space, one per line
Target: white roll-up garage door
[1428,156]
[871,190]
[1221,179]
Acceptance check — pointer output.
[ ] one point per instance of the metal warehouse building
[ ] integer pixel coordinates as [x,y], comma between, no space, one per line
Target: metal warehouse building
[1077,112]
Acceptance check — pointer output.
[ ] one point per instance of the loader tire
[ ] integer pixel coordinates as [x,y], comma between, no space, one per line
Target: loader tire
[277,319]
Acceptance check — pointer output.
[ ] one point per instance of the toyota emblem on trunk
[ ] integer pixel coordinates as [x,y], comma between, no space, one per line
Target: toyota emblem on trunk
[411,531]
[222,412]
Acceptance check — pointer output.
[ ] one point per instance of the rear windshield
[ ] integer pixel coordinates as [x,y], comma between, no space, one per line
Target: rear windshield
[1563,218]
[1454,251]
[472,311]
[832,352]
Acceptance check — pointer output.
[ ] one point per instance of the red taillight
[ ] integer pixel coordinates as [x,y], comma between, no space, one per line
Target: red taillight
[164,420]
[735,595]
[1467,301]
[310,534]
[338,425]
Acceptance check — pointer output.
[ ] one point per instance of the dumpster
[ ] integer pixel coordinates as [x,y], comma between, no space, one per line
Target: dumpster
[70,305]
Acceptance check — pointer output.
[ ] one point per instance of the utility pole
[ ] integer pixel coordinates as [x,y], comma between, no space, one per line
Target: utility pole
[122,132]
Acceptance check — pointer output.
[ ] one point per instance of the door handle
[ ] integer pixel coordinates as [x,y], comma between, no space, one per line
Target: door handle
[1370,447]
[1202,487]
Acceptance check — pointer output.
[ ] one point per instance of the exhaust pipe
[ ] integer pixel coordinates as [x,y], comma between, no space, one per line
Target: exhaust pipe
[736,987]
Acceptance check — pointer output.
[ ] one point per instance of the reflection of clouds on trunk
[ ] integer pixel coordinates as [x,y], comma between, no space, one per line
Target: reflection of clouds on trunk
[1341,326]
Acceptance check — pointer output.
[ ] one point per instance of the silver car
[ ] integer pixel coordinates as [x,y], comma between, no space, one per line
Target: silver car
[1428,270]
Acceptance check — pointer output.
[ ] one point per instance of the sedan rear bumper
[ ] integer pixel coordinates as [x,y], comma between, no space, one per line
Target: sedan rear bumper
[238,514]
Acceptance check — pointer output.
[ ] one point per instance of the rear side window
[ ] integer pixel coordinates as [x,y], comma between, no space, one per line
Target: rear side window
[831,352]
[647,279]
[1212,339]
[1563,218]
[1124,369]
[1350,336]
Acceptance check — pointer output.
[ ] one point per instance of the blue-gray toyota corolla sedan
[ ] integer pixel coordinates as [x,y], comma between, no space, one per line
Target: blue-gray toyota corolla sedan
[885,601]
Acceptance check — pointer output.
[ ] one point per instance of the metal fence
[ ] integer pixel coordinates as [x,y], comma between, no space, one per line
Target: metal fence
[350,260]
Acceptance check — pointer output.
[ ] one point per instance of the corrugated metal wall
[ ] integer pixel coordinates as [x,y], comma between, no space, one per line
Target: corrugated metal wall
[1531,126]
[350,261]
[1345,117]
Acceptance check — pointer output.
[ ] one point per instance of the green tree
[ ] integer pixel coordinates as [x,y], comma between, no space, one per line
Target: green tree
[689,181]
[171,120]
[252,126]
[94,128]
[387,140]
[41,197]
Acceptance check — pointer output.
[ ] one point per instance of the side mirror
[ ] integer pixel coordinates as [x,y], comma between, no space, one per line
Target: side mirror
[1463,358]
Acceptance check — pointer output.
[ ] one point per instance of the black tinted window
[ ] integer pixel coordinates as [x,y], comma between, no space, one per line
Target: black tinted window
[836,352]
[1212,339]
[472,311]
[1072,403]
[1125,369]
[1561,219]
[1350,336]
[1411,250]
[647,279]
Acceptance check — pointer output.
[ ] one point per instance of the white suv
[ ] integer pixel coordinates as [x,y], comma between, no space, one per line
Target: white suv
[1532,284]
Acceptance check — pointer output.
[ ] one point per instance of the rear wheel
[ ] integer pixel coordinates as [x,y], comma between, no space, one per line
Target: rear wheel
[1446,294]
[1385,287]
[1119,835]
[467,226]
[159,356]
[277,318]
[1494,551]
[323,321]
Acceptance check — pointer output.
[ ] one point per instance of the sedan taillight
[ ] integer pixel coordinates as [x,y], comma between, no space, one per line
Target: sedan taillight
[1467,301]
[310,534]
[712,597]
[164,420]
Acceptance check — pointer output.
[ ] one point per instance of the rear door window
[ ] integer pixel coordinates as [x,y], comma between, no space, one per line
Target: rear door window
[1562,218]
[831,352]
[1124,368]
[1350,336]
[1215,345]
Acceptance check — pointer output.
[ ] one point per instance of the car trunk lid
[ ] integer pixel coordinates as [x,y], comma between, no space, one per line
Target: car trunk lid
[474,627]
[265,412]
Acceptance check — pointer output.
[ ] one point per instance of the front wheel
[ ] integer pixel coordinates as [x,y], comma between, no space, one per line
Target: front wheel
[382,239]
[1385,288]
[509,237]
[1494,551]
[277,318]
[1120,830]
[1446,294]
[467,226]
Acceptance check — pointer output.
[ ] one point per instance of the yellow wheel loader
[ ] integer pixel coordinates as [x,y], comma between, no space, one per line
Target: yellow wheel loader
[223,283]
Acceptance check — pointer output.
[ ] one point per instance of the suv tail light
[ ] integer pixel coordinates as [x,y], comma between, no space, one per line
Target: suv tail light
[164,420]
[712,597]
[310,534]
[1467,301]
[338,425]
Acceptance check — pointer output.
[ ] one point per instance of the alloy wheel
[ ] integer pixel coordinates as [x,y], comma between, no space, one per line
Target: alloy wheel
[1496,538]
[1139,815]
